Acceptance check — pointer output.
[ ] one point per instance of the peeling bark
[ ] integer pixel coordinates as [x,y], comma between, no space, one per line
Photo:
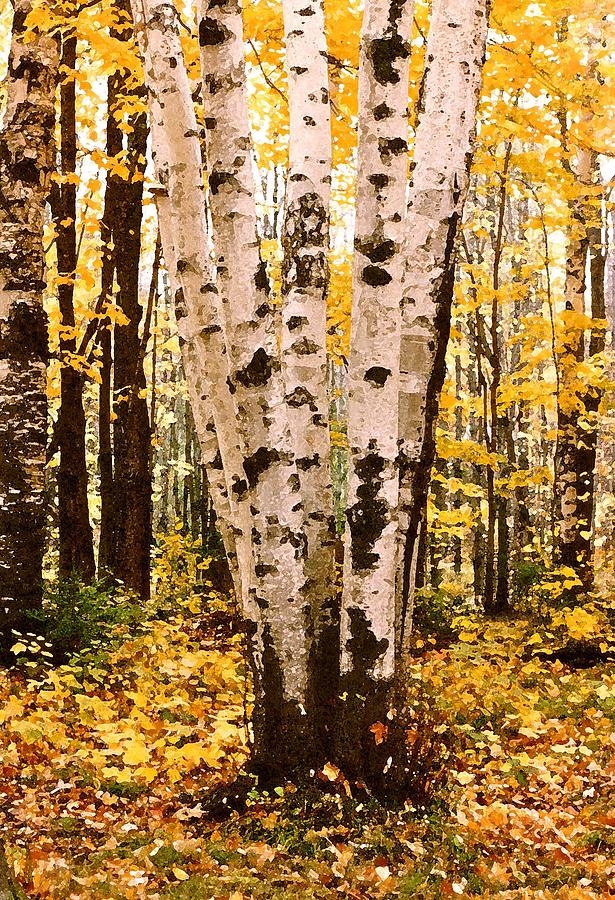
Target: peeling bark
[183,226]
[233,383]
[26,164]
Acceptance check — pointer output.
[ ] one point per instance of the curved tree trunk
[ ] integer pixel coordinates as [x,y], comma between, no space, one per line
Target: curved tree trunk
[227,329]
[26,164]
[236,381]
[442,156]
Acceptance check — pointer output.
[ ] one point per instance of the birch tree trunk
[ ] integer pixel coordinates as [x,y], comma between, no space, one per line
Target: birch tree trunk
[208,441]
[370,558]
[183,227]
[442,157]
[273,464]
[305,242]
[26,163]
[247,410]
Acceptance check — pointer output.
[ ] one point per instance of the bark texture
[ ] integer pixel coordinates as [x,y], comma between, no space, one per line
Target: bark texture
[278,545]
[76,547]
[231,366]
[183,225]
[442,157]
[132,486]
[26,164]
[305,241]
[370,559]
[260,411]
[573,452]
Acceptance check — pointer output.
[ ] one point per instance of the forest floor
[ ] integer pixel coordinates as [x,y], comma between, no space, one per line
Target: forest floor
[106,764]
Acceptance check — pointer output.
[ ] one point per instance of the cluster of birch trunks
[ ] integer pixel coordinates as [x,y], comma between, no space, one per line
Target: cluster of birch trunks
[257,372]
[324,660]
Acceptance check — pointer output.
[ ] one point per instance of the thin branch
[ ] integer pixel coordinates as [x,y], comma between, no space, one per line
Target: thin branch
[268,80]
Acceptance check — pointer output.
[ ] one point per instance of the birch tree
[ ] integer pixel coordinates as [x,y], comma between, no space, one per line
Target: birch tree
[26,164]
[573,530]
[267,405]
[247,410]
[305,241]
[442,157]
[370,561]
[283,639]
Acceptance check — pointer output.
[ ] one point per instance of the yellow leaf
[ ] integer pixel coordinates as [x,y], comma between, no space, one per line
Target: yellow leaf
[330,771]
[18,648]
[180,874]
[464,777]
[580,624]
[467,636]
[135,753]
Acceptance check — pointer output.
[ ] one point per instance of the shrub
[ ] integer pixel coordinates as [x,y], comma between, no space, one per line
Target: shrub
[524,576]
[435,609]
[77,616]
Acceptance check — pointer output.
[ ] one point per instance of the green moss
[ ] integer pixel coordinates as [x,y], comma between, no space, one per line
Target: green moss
[167,857]
[126,789]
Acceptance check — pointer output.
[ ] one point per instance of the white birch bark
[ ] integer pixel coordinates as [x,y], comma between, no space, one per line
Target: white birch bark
[370,557]
[238,387]
[277,519]
[442,156]
[203,420]
[305,241]
[177,157]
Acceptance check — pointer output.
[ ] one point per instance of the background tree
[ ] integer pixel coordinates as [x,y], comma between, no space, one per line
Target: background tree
[26,165]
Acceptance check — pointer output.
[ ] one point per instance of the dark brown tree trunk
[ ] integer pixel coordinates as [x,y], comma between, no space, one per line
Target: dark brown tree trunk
[76,552]
[422,549]
[496,574]
[458,465]
[588,440]
[105,408]
[29,120]
[105,452]
[437,543]
[501,589]
[477,385]
[131,432]
[125,460]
